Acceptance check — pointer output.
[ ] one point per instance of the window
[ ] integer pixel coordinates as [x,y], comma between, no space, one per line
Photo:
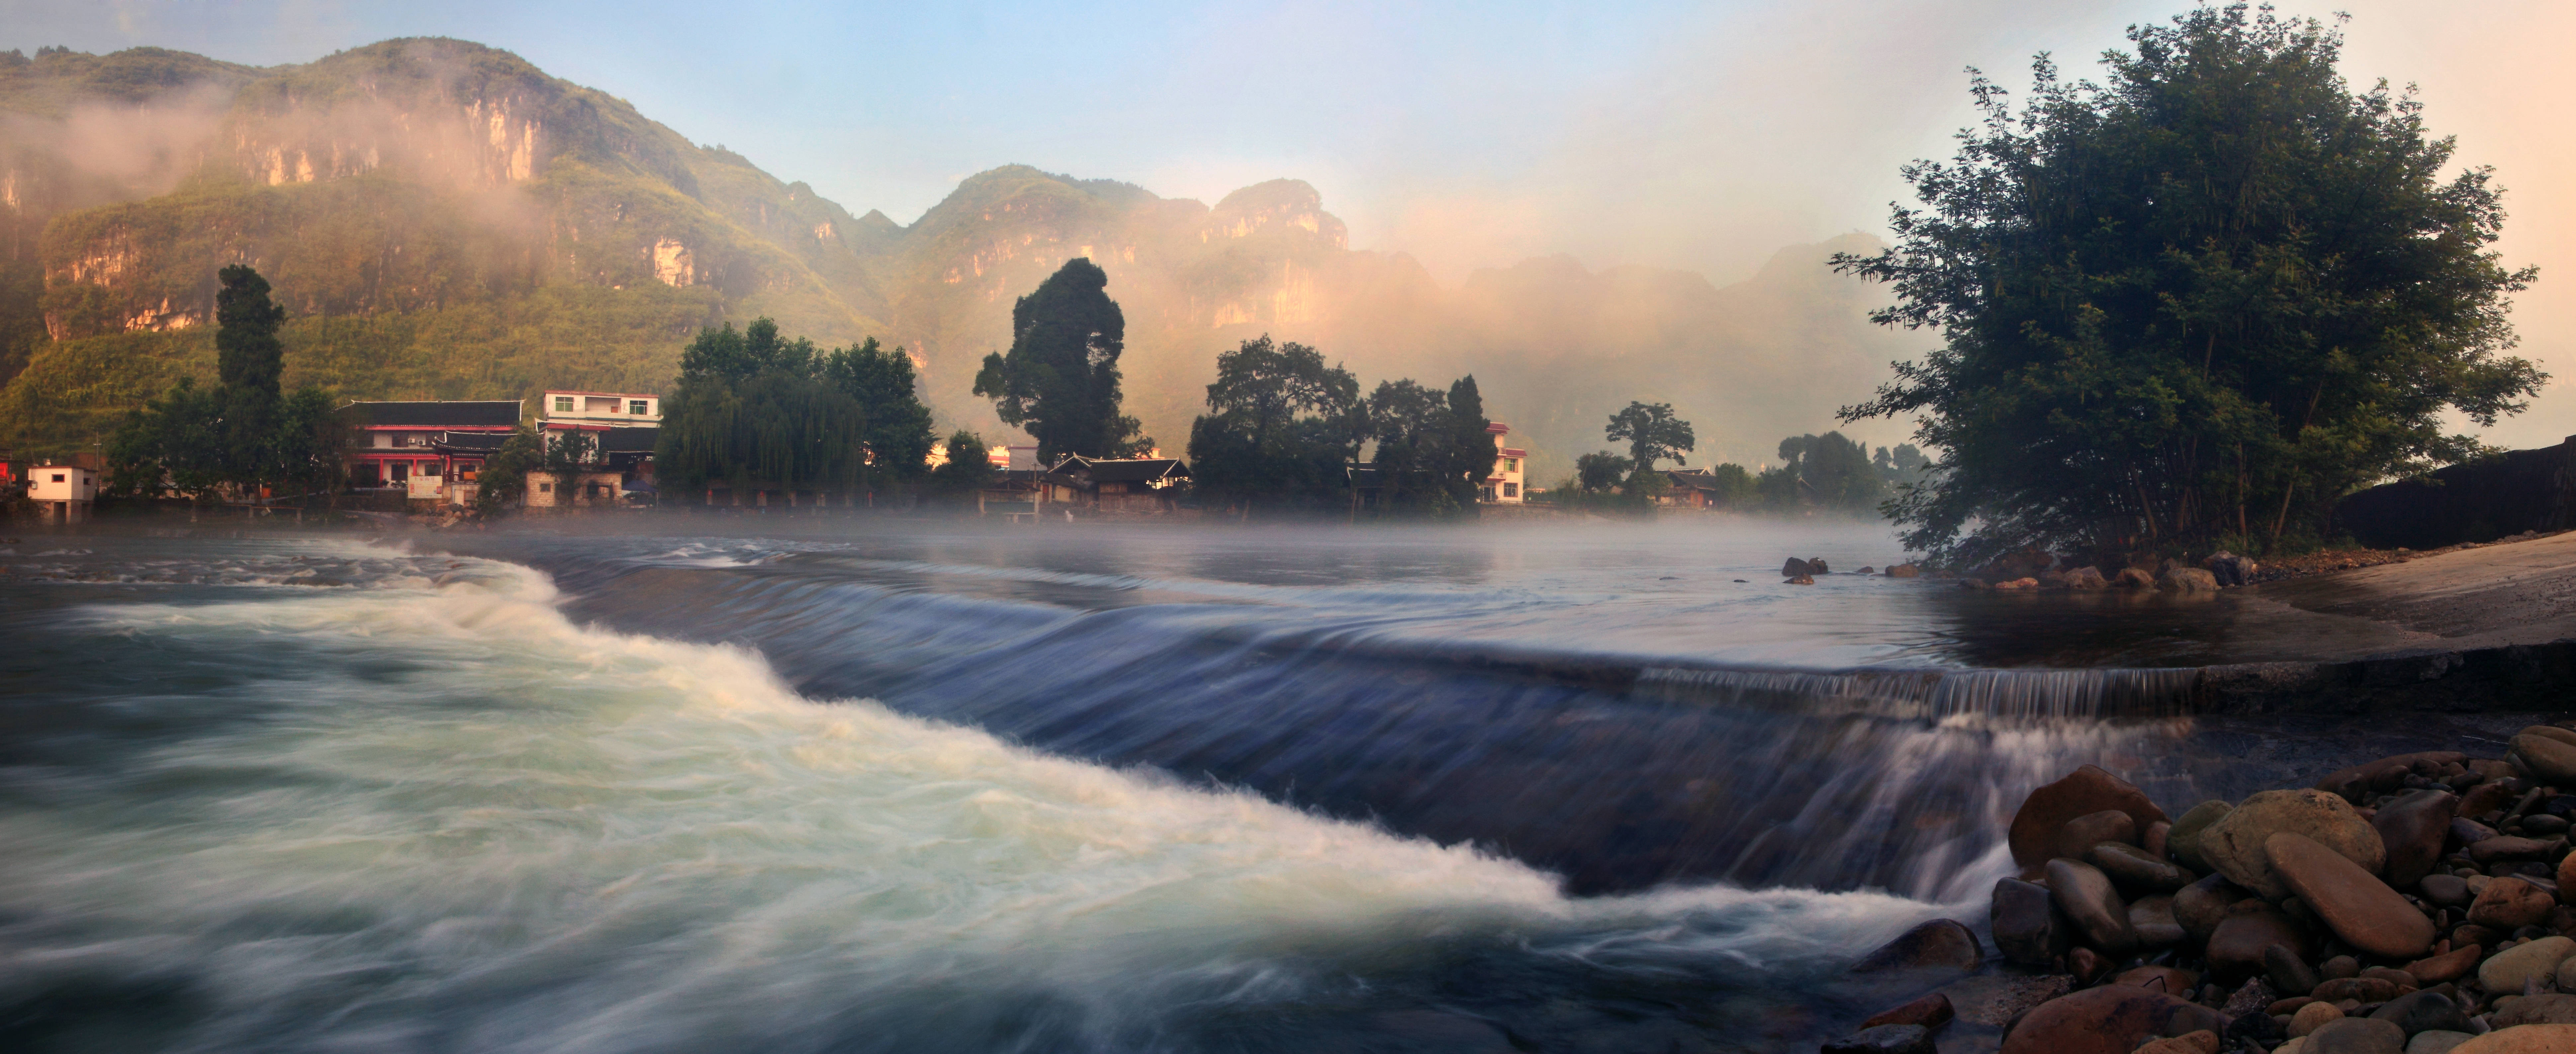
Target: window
[545,488]
[1511,464]
[1511,490]
[638,406]
[58,477]
[563,404]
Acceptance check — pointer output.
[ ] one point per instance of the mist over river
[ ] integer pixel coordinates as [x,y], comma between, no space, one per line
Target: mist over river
[857,786]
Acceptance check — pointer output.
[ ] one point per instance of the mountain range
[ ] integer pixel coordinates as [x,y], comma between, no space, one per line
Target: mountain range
[444,220]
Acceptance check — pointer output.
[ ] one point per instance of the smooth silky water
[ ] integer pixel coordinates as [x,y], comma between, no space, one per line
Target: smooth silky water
[937,788]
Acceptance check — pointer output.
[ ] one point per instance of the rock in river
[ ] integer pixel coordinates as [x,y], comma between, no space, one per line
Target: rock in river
[2508,904]
[2089,789]
[2075,840]
[2549,752]
[1939,944]
[1884,1039]
[2413,827]
[2422,1012]
[2085,894]
[2132,867]
[2352,902]
[2183,839]
[2112,1019]
[2234,844]
[2028,927]
[2236,947]
[2505,971]
[2200,905]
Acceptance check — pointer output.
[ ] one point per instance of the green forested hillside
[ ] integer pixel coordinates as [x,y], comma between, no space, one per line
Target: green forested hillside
[443,220]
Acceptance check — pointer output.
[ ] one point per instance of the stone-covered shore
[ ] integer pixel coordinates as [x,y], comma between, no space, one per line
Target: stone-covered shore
[2417,904]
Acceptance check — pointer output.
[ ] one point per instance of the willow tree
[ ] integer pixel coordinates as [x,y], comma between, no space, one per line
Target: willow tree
[2193,304]
[754,408]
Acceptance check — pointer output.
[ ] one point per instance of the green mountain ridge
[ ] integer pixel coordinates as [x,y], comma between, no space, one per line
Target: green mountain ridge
[444,220]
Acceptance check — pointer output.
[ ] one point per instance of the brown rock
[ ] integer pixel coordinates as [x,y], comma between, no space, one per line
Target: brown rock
[2199,906]
[2152,918]
[1938,944]
[2448,966]
[2134,578]
[2078,837]
[2157,840]
[2413,827]
[2524,1039]
[2549,754]
[2470,832]
[2362,989]
[1931,1011]
[2135,870]
[2357,906]
[2356,1035]
[1994,1000]
[2028,927]
[2236,946]
[2567,879]
[2201,1042]
[2182,842]
[2164,979]
[2234,844]
[2090,789]
[2384,774]
[2112,1019]
[2087,965]
[2509,847]
[2488,797]
[2085,894]
[2510,903]
[2547,1008]
[2312,1017]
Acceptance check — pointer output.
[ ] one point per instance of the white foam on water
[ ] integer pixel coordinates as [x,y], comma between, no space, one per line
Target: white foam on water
[454,818]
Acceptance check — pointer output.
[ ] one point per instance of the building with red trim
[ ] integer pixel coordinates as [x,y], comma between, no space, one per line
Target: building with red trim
[395,441]
[1506,484]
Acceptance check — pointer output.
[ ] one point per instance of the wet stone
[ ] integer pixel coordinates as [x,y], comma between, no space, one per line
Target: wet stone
[2236,947]
[2355,904]
[1937,944]
[1884,1039]
[2234,844]
[2152,918]
[1931,1011]
[1993,1001]
[2445,890]
[2091,789]
[2075,840]
[2420,1011]
[2413,828]
[2085,894]
[2132,867]
[2356,1036]
[2505,971]
[2448,966]
[2183,838]
[2511,903]
[2028,927]
[2287,972]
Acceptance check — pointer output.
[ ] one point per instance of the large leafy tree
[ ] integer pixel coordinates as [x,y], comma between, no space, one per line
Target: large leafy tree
[756,408]
[1833,473]
[1280,425]
[1060,380]
[2194,303]
[250,364]
[243,432]
[1652,433]
[1432,446]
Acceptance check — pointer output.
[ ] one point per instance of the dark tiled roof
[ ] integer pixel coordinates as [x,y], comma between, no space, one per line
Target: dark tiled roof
[628,440]
[471,442]
[460,414]
[1124,470]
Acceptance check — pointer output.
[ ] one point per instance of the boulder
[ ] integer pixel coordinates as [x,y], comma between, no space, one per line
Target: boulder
[1796,567]
[2133,868]
[1938,944]
[1931,1011]
[1993,1001]
[2234,844]
[2230,569]
[2112,1019]
[2550,758]
[1884,1039]
[2028,927]
[2017,584]
[2355,1035]
[2423,1011]
[2522,1039]
[2352,902]
[2505,971]
[2236,947]
[2413,827]
[1903,570]
[1816,565]
[2075,840]
[2187,580]
[2086,578]
[2152,918]
[2547,1008]
[2448,966]
[2087,897]
[2508,904]
[2033,836]
[2183,839]
[2199,906]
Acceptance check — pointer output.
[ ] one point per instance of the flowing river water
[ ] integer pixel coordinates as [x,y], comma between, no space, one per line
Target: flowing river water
[925,788]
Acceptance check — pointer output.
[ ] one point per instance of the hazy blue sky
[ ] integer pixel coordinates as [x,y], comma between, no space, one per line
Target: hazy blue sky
[1691,135]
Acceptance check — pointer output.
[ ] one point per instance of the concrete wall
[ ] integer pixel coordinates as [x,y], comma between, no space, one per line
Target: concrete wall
[2480,501]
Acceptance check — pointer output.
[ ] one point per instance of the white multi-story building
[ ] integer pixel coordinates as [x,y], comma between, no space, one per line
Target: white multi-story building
[603,409]
[1511,467]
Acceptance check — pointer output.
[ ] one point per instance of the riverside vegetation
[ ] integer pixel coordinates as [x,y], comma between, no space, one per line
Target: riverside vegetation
[2421,903]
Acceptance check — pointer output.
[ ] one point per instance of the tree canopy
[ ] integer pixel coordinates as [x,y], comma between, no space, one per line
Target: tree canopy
[2193,304]
[1280,427]
[1652,433]
[242,432]
[1060,380]
[755,408]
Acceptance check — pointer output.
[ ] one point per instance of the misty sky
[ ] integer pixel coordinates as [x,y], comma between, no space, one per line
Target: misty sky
[1702,136]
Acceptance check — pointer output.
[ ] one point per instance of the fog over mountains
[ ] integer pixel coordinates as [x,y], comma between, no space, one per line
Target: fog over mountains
[444,220]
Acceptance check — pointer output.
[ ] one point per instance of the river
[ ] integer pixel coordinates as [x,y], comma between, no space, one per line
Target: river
[923,787]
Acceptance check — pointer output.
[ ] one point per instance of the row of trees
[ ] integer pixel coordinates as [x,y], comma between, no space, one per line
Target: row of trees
[755,406]
[1817,473]
[1283,430]
[242,434]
